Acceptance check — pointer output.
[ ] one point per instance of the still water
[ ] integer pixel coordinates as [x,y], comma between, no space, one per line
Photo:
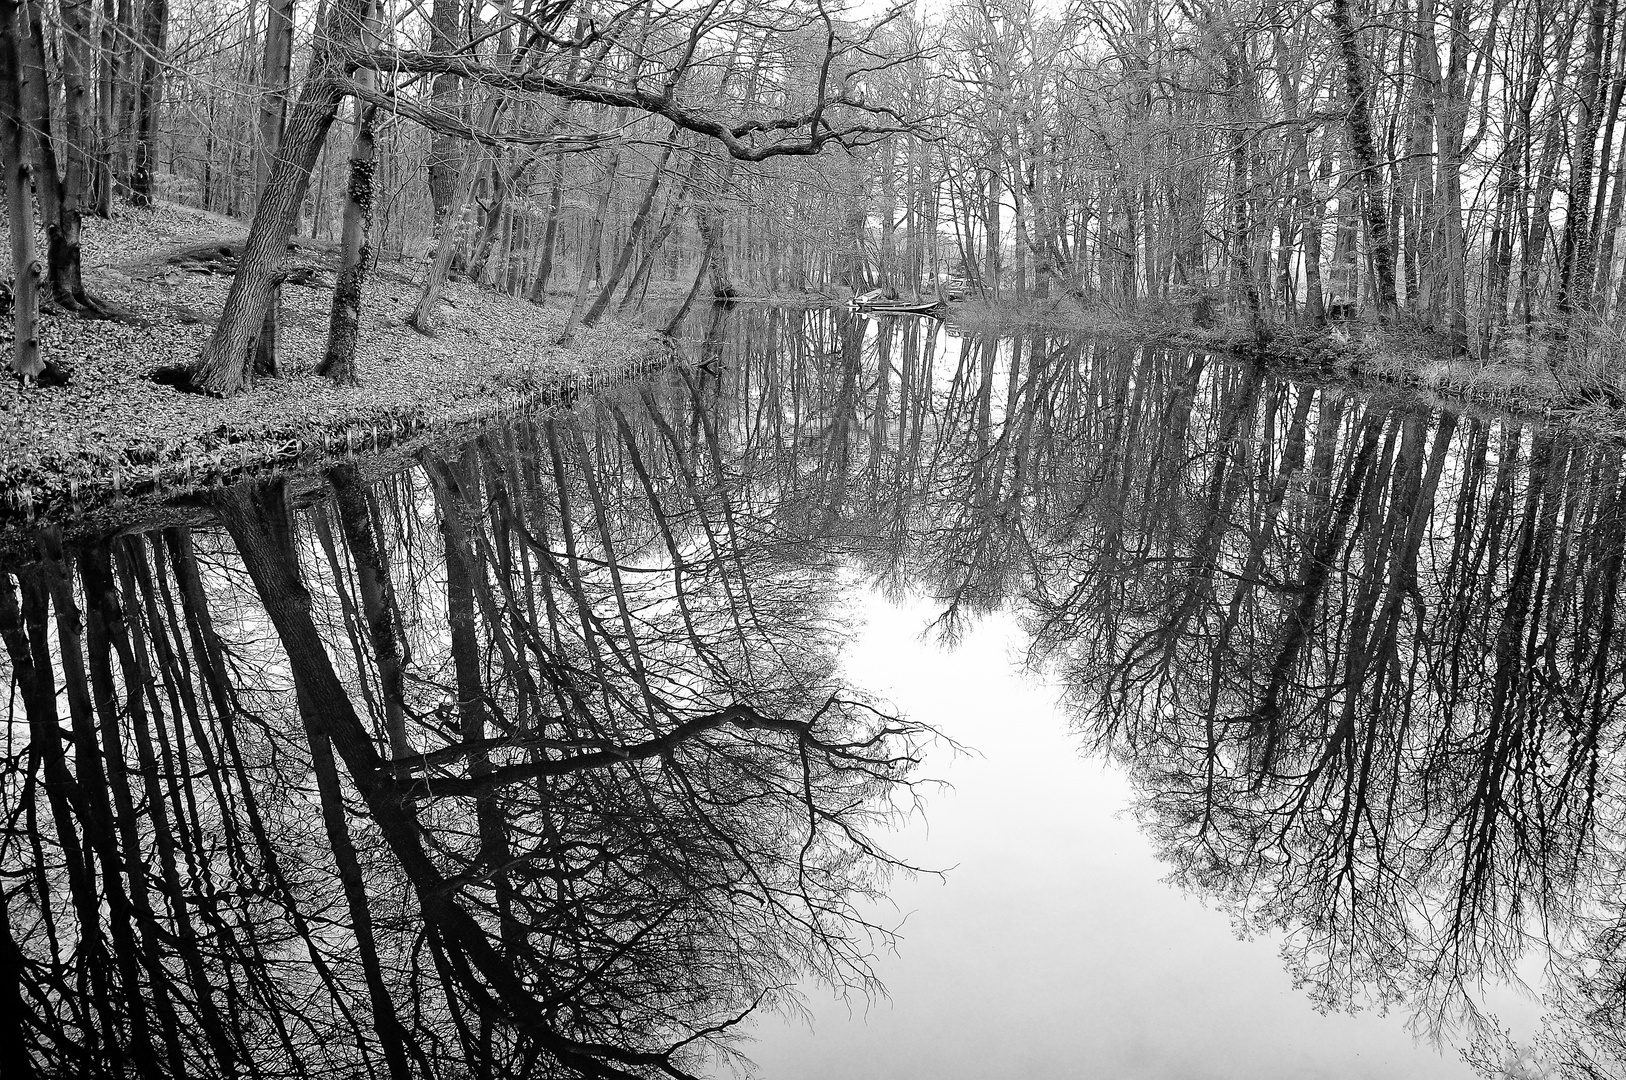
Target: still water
[1282,724]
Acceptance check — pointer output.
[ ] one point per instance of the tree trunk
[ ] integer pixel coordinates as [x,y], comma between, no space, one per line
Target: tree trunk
[639,284]
[503,182]
[1247,283]
[711,229]
[36,104]
[640,222]
[386,1023]
[259,524]
[223,368]
[595,234]
[423,316]
[1575,267]
[275,73]
[358,525]
[1453,121]
[105,633]
[79,163]
[550,232]
[701,271]
[1417,186]
[1374,208]
[1510,185]
[1536,216]
[154,32]
[97,810]
[14,1004]
[344,320]
[25,268]
[124,55]
[991,212]
[1305,201]
[445,26]
[62,196]
[135,578]
[107,71]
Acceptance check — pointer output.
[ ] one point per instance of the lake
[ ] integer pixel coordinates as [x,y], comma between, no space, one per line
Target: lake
[862,697]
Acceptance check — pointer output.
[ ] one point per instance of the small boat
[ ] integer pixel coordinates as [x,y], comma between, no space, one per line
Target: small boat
[871,304]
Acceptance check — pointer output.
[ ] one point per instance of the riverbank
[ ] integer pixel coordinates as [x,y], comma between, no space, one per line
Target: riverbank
[114,432]
[1519,381]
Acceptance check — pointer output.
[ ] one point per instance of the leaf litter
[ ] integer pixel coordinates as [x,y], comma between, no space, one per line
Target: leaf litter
[114,431]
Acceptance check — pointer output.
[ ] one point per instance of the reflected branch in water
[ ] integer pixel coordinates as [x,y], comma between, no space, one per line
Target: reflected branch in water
[1359,661]
[541,748]
[561,793]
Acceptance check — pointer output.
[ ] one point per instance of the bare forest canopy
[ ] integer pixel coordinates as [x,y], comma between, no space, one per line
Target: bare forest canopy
[1449,167]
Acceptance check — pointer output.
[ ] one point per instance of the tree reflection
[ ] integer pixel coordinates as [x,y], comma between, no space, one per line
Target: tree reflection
[530,761]
[1393,760]
[534,759]
[1360,661]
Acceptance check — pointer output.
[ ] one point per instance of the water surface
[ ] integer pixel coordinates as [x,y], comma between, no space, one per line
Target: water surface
[563,749]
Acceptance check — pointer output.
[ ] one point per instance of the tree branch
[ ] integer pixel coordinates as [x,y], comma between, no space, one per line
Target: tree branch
[734,137]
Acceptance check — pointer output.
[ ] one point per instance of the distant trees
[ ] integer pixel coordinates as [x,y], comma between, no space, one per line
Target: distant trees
[1448,165]
[64,187]
[41,190]
[157,101]
[680,67]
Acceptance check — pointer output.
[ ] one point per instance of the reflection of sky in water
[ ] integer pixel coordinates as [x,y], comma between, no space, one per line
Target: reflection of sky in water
[1054,949]
[1228,570]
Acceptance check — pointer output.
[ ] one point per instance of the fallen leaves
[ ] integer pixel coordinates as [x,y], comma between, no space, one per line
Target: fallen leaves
[114,431]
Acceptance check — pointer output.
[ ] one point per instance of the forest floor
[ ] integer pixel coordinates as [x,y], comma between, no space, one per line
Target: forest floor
[114,431]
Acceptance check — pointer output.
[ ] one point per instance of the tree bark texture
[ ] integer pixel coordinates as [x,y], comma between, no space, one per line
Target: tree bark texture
[25,283]
[1373,201]
[223,367]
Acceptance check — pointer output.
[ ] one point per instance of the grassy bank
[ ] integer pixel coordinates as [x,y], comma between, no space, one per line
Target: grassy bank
[113,431]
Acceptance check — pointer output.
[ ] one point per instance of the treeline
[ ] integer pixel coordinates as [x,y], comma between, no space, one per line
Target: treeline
[542,147]
[1452,168]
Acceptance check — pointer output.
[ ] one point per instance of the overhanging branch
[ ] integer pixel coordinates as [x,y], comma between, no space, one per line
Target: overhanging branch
[877,122]
[442,122]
